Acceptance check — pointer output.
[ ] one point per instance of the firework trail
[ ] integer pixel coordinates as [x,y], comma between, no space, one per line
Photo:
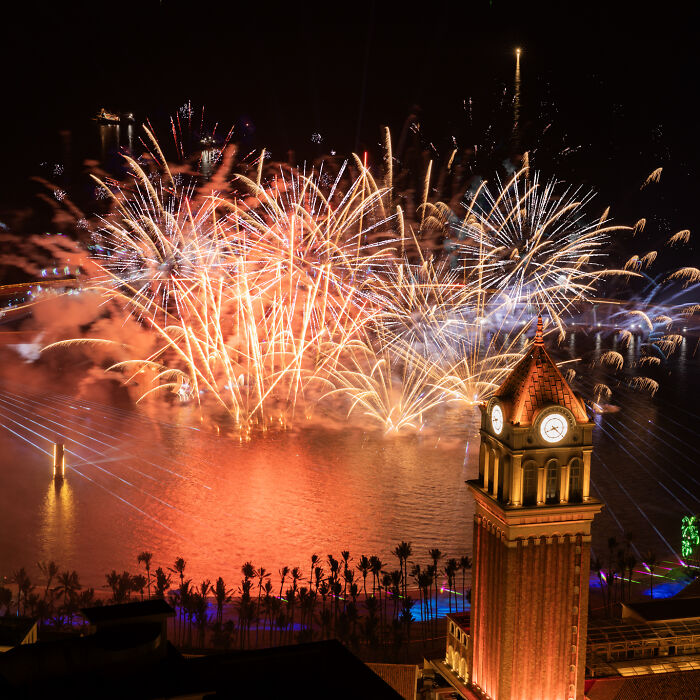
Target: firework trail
[265,295]
[535,245]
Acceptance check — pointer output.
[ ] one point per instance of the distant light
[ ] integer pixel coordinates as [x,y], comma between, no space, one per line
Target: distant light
[517,52]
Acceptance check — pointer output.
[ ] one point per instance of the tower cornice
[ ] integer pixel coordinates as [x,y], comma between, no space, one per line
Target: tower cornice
[544,520]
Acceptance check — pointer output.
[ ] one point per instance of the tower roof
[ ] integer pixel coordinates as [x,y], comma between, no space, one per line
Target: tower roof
[535,383]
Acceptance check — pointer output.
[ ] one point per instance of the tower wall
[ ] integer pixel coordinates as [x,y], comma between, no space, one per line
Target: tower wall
[529,608]
[532,536]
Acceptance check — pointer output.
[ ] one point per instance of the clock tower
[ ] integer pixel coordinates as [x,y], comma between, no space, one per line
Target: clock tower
[532,529]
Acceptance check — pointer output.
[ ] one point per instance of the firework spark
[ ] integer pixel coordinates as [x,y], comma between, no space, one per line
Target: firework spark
[291,287]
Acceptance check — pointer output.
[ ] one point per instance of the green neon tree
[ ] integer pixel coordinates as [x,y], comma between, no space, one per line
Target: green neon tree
[690,535]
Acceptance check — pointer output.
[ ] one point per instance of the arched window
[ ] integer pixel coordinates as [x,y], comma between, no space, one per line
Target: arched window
[463,668]
[552,493]
[530,484]
[575,481]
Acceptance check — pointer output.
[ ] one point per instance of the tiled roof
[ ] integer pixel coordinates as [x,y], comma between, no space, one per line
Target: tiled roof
[536,382]
[403,678]
[683,685]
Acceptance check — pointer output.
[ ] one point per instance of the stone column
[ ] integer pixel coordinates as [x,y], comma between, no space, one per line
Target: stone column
[487,457]
[564,484]
[541,484]
[516,480]
[496,475]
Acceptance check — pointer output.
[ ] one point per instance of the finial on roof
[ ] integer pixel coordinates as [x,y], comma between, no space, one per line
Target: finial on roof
[538,335]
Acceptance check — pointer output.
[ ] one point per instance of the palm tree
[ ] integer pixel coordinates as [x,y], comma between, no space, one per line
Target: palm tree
[268,604]
[386,583]
[375,566]
[403,551]
[349,578]
[248,571]
[314,561]
[163,582]
[145,559]
[303,597]
[424,581]
[651,562]
[291,599]
[465,564]
[396,577]
[318,574]
[451,571]
[199,609]
[431,571]
[324,589]
[416,576]
[262,574]
[204,589]
[185,603]
[138,583]
[50,571]
[179,568]
[345,554]
[284,572]
[370,626]
[296,577]
[21,579]
[436,555]
[112,579]
[222,596]
[245,609]
[68,585]
[363,567]
[42,609]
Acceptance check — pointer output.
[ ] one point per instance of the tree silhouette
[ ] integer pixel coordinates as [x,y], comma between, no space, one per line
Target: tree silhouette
[145,559]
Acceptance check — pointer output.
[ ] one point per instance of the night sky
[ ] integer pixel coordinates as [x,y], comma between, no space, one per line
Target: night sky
[618,85]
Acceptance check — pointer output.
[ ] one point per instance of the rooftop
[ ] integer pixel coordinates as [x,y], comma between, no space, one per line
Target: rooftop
[679,686]
[462,619]
[127,611]
[535,383]
[14,630]
[617,633]
[403,678]
[676,608]
[86,667]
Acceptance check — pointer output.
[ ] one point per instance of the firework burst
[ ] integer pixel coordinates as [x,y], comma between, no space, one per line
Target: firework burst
[535,244]
[288,287]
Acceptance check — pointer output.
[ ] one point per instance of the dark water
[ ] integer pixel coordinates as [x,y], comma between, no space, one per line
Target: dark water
[134,484]
[137,483]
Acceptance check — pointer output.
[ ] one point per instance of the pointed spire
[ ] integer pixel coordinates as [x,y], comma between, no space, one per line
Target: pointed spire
[539,340]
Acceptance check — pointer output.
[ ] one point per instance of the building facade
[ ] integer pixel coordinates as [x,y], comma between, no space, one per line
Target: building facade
[532,528]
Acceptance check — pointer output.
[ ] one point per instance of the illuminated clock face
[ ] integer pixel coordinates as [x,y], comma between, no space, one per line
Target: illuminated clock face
[497,419]
[553,427]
